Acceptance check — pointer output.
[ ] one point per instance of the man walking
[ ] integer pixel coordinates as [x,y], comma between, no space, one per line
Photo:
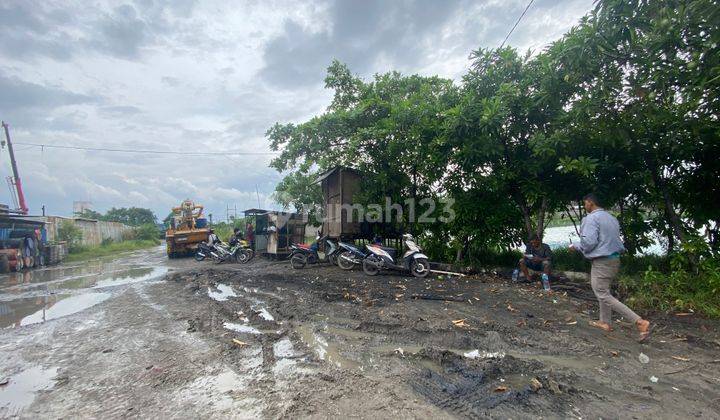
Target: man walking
[600,243]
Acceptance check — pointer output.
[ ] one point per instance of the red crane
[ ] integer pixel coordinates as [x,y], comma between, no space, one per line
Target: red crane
[15,184]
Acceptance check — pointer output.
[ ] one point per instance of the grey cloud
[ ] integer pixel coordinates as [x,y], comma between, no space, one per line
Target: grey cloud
[170,81]
[19,94]
[122,33]
[30,105]
[120,110]
[361,33]
[35,29]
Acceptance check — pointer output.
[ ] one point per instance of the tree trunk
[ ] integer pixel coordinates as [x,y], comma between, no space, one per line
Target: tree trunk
[540,228]
[630,243]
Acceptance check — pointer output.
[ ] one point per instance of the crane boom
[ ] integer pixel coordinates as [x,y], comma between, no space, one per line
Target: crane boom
[18,184]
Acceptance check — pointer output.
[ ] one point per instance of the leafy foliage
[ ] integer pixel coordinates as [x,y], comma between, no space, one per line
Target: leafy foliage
[133,216]
[625,104]
[68,232]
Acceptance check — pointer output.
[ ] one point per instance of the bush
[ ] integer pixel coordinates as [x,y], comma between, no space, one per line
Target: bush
[148,231]
[106,241]
[70,233]
[691,284]
[495,258]
[128,235]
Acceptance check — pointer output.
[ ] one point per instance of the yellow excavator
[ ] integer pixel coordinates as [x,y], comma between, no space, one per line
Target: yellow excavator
[188,228]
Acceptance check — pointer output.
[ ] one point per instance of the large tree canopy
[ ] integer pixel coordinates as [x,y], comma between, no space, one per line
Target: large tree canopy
[625,104]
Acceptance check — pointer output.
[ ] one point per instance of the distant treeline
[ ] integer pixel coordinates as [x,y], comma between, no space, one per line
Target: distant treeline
[133,216]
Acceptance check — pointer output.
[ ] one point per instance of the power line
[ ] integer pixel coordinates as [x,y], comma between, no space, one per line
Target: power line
[516,23]
[157,152]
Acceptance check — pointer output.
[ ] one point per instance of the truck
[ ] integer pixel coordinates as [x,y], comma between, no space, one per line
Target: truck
[188,228]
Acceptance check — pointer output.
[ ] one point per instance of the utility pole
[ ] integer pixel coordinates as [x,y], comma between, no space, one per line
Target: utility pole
[16,175]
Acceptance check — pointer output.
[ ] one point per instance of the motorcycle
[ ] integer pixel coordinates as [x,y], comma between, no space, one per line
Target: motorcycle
[221,252]
[413,260]
[203,251]
[303,254]
[349,255]
[244,253]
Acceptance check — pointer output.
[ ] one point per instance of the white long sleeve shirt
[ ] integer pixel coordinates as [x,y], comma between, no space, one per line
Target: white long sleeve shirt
[600,235]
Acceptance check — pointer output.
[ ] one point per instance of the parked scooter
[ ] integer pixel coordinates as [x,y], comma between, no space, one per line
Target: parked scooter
[349,255]
[303,254]
[221,252]
[244,253]
[413,260]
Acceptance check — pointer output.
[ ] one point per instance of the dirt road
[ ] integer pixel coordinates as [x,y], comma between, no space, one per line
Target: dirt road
[186,339]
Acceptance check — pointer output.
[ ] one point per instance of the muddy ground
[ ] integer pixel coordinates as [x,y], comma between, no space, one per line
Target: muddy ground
[262,340]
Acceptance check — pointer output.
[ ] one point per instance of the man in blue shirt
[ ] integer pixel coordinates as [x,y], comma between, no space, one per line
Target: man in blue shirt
[538,257]
[600,243]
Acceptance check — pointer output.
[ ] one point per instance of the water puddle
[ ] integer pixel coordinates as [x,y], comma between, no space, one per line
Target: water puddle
[241,328]
[20,392]
[135,275]
[477,354]
[27,311]
[325,350]
[264,314]
[222,292]
[217,391]
[284,349]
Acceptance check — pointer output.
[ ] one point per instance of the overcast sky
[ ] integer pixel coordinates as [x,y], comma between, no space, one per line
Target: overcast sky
[189,75]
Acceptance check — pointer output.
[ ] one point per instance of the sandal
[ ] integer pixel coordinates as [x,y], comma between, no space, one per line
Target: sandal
[603,326]
[644,335]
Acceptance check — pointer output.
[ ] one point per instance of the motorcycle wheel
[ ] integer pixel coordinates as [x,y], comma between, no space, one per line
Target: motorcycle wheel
[420,267]
[298,261]
[251,253]
[369,268]
[344,261]
[332,259]
[243,256]
[199,257]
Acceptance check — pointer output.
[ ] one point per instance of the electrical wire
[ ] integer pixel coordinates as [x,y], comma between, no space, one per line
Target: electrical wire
[157,152]
[516,24]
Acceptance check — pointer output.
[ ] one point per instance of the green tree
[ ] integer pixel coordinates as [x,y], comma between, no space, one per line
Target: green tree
[68,232]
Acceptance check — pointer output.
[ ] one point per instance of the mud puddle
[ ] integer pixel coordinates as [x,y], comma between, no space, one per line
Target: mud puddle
[221,292]
[324,349]
[37,296]
[21,389]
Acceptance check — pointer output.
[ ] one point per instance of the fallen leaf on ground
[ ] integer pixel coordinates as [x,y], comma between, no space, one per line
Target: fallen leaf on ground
[535,384]
[680,358]
[683,314]
[614,353]
[571,323]
[501,388]
[239,343]
[460,323]
[510,308]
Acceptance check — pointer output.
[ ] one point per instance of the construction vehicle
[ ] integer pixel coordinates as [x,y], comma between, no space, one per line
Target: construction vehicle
[16,189]
[188,228]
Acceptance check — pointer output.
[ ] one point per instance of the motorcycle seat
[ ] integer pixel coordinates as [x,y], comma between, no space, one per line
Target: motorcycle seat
[391,251]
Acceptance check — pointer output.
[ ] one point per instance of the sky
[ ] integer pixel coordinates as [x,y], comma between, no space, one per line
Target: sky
[211,76]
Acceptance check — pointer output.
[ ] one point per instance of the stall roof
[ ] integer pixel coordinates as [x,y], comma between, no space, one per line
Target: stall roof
[331,171]
[255,211]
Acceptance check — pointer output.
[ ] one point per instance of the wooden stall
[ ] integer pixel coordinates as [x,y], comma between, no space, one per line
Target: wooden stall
[275,231]
[339,185]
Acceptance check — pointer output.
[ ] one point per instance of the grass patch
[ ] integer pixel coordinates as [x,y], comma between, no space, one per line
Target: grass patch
[82,253]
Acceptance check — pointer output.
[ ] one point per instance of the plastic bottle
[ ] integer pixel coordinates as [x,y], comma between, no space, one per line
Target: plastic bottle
[515,275]
[546,282]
